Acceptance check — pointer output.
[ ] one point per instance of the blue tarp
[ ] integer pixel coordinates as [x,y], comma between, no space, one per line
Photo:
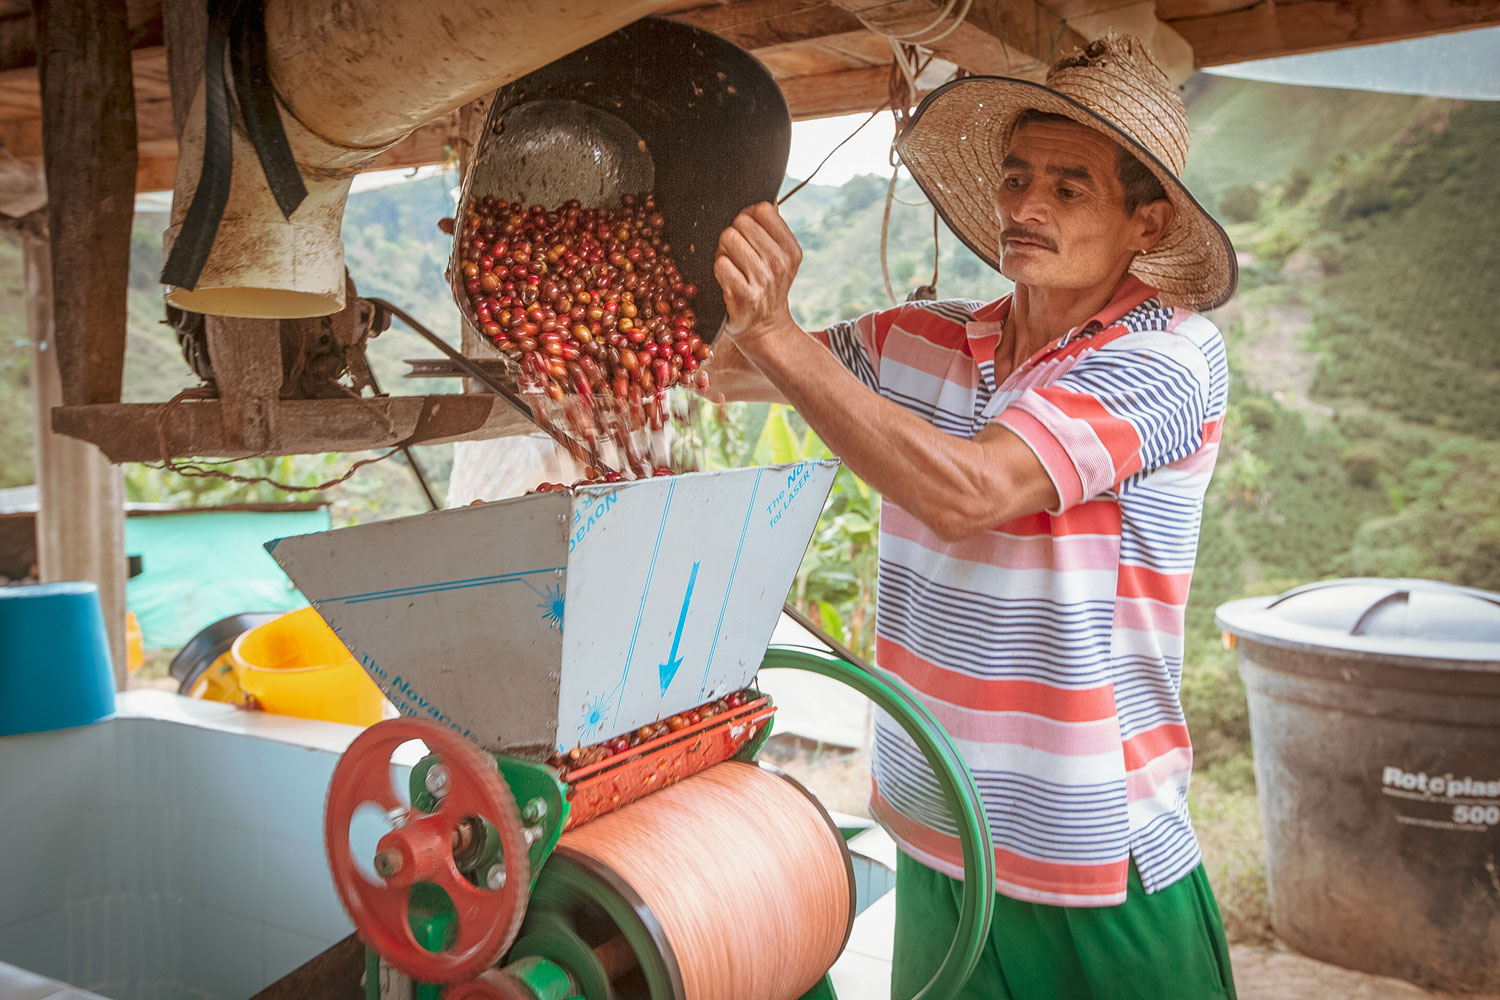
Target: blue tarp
[200,566]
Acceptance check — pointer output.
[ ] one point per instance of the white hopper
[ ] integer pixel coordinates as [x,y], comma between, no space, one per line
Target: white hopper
[541,623]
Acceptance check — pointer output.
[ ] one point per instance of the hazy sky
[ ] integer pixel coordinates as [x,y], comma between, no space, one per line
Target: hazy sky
[811,141]
[1462,65]
[864,154]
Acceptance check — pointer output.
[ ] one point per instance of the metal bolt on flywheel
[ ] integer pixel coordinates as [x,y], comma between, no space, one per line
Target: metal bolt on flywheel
[534,811]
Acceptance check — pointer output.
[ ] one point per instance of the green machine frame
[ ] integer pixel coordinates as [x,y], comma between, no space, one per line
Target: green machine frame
[549,956]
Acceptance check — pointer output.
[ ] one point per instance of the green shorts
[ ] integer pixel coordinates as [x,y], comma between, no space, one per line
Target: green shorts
[1168,945]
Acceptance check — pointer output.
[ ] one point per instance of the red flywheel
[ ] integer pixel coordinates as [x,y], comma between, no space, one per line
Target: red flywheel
[420,848]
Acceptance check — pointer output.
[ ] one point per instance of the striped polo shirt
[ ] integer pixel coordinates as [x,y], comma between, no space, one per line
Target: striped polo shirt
[1050,647]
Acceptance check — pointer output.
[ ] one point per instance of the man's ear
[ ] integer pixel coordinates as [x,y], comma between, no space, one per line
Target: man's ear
[1153,219]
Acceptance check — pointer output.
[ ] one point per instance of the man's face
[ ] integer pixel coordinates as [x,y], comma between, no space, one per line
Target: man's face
[1062,209]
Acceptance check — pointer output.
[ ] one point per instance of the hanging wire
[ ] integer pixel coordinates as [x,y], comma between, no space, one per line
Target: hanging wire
[911,56]
[907,52]
[804,182]
[885,228]
[902,96]
[885,225]
[923,35]
[936,250]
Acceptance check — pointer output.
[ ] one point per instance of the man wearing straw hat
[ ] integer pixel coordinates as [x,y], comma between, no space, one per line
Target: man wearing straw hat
[1043,460]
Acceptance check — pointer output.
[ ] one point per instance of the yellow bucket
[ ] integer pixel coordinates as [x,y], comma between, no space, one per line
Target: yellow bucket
[219,683]
[295,665]
[135,644]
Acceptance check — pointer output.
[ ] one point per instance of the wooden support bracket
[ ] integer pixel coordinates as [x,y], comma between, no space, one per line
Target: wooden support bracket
[136,432]
[246,357]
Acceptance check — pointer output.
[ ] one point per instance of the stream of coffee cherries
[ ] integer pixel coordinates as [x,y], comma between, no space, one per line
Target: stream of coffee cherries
[592,309]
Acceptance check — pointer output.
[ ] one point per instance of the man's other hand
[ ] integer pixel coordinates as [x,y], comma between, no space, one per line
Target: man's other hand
[757,259]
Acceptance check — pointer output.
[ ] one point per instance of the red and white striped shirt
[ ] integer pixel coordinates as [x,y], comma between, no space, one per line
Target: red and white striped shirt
[1051,647]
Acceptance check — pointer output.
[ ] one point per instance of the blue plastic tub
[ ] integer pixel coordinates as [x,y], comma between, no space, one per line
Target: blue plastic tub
[54,658]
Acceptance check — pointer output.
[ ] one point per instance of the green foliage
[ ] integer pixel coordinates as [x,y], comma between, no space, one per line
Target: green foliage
[1405,324]
[1219,574]
[1362,464]
[1213,700]
[858,194]
[1296,186]
[839,229]
[1407,370]
[1450,527]
[1278,242]
[1303,514]
[1366,190]
[1240,203]
[152,484]
[836,583]
[17,408]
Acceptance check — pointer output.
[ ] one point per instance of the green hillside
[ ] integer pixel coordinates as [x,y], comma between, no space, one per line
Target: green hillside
[16,406]
[839,229]
[1247,133]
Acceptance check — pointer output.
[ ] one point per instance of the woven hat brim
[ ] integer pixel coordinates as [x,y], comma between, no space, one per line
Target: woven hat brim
[955,142]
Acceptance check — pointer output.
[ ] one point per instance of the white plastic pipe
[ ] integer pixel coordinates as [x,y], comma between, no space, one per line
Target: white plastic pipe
[353,78]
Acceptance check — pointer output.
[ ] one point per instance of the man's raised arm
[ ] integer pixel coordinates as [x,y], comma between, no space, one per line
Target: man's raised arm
[956,487]
[733,377]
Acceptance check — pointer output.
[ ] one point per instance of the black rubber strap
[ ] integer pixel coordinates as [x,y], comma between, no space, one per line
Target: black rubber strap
[196,237]
[242,20]
[257,99]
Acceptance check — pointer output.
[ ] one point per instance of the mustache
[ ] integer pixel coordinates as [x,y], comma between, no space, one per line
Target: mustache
[1030,237]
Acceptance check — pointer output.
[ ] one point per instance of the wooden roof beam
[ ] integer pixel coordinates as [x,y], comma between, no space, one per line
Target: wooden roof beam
[763,24]
[1268,30]
[999,37]
[827,94]
[156,167]
[143,29]
[1005,37]
[135,432]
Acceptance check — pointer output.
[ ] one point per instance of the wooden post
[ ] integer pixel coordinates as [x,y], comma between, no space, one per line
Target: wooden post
[184,27]
[246,356]
[78,337]
[80,525]
[89,148]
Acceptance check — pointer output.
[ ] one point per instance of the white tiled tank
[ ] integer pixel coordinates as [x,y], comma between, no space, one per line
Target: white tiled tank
[174,851]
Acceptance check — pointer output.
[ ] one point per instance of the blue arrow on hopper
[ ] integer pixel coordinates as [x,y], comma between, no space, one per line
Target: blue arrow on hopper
[667,671]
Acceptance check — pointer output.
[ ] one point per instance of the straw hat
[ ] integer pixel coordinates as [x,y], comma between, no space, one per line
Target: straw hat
[959,134]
